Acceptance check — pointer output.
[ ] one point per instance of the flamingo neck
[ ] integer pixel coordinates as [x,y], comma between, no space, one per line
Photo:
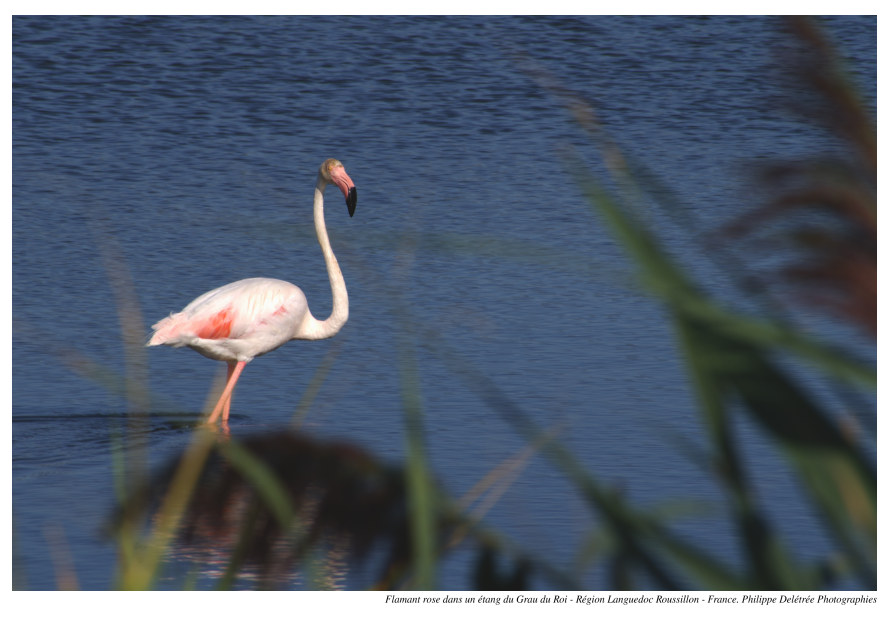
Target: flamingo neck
[313,328]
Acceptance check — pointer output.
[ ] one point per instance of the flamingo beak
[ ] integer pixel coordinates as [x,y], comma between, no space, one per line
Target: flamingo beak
[345,184]
[351,198]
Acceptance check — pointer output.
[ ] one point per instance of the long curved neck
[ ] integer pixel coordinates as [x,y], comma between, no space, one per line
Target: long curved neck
[340,313]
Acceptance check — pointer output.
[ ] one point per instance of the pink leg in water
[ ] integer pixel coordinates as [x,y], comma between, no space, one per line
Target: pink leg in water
[225,400]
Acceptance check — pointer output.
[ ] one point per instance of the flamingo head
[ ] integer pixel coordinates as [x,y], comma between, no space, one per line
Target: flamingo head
[333,172]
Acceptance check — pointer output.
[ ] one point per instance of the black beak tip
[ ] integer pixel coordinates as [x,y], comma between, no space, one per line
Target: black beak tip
[351,200]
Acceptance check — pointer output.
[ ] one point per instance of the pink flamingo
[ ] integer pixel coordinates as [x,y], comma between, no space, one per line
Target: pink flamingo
[237,322]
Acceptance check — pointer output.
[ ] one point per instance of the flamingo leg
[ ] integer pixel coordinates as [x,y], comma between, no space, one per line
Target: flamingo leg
[225,400]
[228,404]
[225,411]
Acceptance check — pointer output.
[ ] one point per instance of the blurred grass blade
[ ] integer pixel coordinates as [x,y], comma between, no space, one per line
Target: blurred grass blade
[264,481]
[133,459]
[318,379]
[421,494]
[112,380]
[658,273]
[420,486]
[140,570]
[272,493]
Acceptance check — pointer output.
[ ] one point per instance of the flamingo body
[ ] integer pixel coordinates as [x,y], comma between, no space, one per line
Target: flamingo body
[237,322]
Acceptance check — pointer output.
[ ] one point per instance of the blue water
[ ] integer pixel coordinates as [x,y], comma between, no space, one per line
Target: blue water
[185,150]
